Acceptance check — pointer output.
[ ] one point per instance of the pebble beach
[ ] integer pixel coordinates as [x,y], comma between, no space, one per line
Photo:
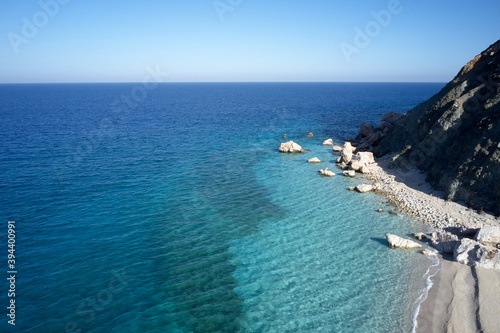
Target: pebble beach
[462,298]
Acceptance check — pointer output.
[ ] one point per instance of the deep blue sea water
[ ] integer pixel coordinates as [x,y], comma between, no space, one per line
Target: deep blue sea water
[172,211]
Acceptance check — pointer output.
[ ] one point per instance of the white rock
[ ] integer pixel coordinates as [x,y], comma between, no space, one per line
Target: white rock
[364,169]
[401,243]
[328,142]
[363,188]
[290,147]
[444,241]
[337,148]
[350,173]
[314,160]
[355,165]
[364,157]
[488,234]
[429,252]
[347,152]
[472,253]
[326,172]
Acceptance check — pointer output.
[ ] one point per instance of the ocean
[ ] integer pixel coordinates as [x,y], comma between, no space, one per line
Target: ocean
[170,209]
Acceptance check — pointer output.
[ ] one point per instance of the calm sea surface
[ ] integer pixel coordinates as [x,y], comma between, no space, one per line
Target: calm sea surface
[171,210]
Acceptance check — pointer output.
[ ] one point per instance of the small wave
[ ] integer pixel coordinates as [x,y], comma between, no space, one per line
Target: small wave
[436,262]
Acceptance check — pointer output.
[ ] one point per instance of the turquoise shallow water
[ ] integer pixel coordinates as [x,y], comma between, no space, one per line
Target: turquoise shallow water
[178,214]
[325,266]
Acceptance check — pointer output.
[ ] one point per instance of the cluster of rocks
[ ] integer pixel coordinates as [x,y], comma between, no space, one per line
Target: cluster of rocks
[292,147]
[474,247]
[351,159]
[471,242]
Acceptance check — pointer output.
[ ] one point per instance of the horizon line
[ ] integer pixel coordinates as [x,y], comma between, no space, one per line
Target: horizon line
[212,82]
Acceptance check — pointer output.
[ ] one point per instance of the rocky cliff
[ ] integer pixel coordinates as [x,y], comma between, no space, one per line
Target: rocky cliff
[454,136]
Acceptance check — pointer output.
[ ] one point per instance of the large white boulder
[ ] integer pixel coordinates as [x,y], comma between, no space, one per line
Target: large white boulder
[347,152]
[401,243]
[290,147]
[328,142]
[488,235]
[472,253]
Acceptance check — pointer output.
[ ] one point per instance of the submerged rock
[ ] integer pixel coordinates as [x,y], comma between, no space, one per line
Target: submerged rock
[310,134]
[290,147]
[401,243]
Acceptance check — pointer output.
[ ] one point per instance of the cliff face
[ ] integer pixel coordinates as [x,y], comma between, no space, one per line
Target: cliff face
[455,136]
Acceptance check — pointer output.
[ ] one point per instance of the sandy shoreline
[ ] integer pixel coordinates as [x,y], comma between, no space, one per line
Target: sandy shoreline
[462,298]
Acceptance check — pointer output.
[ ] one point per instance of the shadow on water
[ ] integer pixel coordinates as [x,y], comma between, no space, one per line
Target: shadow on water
[381,241]
[197,263]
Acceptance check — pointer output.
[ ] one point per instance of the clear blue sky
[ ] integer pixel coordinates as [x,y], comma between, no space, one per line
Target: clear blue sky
[247,40]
